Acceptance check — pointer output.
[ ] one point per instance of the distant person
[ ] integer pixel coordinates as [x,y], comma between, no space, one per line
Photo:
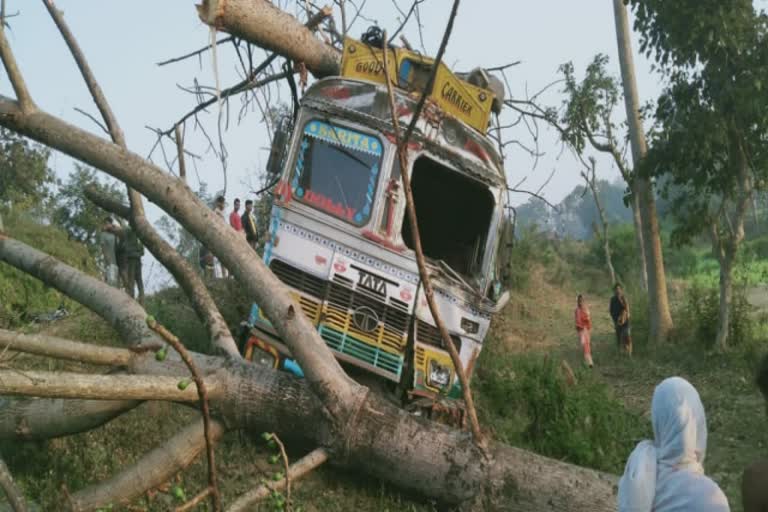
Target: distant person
[108,242]
[584,328]
[249,224]
[219,207]
[619,309]
[235,219]
[206,261]
[667,474]
[131,251]
[754,481]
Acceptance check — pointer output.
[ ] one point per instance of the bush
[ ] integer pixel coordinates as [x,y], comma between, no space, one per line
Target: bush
[529,403]
[530,246]
[700,312]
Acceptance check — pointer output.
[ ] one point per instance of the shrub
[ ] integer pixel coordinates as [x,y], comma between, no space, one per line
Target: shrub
[529,403]
[700,312]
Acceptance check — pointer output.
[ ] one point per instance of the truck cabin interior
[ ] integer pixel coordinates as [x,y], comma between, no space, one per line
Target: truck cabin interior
[454,215]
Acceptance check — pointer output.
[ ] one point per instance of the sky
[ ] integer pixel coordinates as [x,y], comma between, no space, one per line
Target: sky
[123,41]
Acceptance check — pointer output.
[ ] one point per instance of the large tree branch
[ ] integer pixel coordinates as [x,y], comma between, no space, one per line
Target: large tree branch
[14,74]
[59,348]
[37,419]
[102,387]
[150,471]
[122,312]
[267,26]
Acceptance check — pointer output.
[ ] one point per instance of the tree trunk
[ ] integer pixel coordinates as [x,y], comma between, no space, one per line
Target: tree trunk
[726,300]
[658,302]
[638,223]
[267,26]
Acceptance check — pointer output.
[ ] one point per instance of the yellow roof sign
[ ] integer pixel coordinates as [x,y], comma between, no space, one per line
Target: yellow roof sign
[462,100]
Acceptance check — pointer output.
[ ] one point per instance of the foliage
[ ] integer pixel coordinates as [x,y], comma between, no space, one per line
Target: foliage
[699,315]
[78,216]
[530,246]
[22,296]
[530,403]
[25,178]
[715,58]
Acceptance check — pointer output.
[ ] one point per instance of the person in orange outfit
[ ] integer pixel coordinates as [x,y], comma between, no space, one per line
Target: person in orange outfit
[584,328]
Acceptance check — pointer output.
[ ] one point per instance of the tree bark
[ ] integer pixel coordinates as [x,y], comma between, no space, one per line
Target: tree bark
[267,26]
[658,301]
[125,315]
[59,348]
[638,223]
[591,180]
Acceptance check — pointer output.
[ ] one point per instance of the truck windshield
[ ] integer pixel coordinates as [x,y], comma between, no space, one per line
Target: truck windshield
[453,213]
[337,170]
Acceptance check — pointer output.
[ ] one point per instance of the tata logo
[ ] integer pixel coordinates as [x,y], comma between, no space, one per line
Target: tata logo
[372,282]
[365,319]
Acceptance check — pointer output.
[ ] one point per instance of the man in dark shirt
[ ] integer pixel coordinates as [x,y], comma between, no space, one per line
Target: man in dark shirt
[754,482]
[249,224]
[619,309]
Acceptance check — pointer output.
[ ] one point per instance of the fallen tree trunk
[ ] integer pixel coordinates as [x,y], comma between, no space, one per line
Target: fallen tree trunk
[263,24]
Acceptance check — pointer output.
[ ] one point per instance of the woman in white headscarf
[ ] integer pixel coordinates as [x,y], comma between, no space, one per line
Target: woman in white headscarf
[667,474]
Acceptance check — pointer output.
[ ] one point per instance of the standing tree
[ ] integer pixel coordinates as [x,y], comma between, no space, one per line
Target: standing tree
[601,231]
[712,119]
[658,300]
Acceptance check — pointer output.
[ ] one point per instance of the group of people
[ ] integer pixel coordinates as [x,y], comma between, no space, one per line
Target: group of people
[244,224]
[666,474]
[122,252]
[619,310]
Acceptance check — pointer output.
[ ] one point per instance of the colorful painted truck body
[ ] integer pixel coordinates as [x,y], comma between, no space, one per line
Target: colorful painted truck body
[339,238]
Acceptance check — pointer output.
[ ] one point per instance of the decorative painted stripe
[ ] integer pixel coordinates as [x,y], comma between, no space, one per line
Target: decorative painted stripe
[344,137]
[348,345]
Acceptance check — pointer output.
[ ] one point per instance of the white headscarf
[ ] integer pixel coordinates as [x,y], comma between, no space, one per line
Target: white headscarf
[667,474]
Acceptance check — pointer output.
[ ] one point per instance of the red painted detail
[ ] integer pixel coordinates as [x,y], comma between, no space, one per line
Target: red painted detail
[370,235]
[320,260]
[412,145]
[477,150]
[254,342]
[340,267]
[338,92]
[406,295]
[329,205]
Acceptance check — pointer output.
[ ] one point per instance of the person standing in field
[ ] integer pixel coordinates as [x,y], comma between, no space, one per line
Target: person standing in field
[249,224]
[584,328]
[234,218]
[619,309]
[131,251]
[219,208]
[108,242]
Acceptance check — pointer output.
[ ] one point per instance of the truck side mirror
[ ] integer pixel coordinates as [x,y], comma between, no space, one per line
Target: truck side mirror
[279,148]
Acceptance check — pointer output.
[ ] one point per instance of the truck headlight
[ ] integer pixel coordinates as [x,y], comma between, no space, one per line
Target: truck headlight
[439,375]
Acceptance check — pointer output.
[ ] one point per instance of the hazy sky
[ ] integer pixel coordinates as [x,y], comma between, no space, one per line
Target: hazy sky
[123,41]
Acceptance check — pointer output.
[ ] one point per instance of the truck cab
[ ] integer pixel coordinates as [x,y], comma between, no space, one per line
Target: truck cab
[339,238]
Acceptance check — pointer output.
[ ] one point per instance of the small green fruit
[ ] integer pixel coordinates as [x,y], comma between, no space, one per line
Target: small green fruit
[162,353]
[179,493]
[266,436]
[277,476]
[273,459]
[183,384]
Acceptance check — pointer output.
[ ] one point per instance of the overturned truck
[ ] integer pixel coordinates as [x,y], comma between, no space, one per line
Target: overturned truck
[339,239]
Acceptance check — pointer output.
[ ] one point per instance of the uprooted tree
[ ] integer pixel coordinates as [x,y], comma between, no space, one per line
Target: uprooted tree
[346,423]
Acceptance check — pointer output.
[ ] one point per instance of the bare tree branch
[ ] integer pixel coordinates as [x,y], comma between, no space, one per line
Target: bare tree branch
[14,74]
[402,147]
[204,406]
[102,387]
[533,194]
[300,468]
[59,348]
[194,53]
[150,471]
[92,118]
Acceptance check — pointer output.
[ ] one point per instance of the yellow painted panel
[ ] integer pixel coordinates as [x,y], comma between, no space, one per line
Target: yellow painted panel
[363,62]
